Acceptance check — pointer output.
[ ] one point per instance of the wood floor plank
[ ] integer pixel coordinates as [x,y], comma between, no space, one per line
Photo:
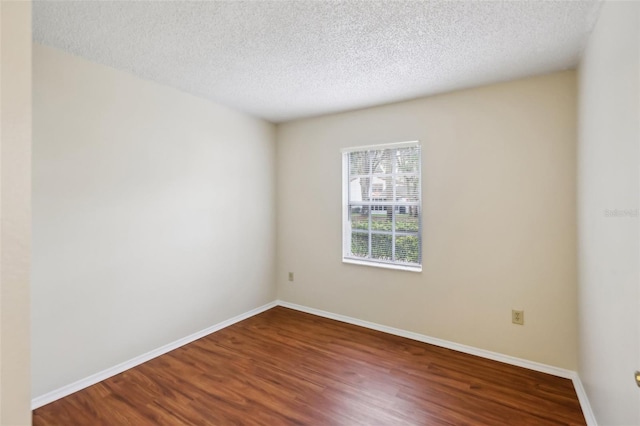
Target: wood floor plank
[284,367]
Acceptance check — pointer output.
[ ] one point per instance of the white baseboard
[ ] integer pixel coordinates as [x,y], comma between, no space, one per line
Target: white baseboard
[584,401]
[507,359]
[56,394]
[105,374]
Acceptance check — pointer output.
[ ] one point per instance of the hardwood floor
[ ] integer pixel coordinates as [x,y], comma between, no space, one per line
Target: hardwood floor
[285,367]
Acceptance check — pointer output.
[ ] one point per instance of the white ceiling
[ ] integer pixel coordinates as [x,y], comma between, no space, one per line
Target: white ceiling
[282,60]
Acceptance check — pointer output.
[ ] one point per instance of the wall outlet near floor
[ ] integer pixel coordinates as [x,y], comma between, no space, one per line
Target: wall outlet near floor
[290,276]
[517,317]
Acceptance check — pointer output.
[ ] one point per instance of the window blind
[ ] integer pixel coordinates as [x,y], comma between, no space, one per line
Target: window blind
[382,201]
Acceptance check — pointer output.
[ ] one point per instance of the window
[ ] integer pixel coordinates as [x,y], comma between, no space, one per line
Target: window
[382,206]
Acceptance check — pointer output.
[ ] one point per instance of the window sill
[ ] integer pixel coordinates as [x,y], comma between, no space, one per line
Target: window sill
[383,265]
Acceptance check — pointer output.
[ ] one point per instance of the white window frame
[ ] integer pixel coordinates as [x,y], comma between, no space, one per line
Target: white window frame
[346,218]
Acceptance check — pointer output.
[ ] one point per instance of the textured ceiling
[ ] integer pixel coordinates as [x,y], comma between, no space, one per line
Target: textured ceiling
[282,60]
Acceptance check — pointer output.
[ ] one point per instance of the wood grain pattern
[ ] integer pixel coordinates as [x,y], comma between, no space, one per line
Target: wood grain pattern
[284,367]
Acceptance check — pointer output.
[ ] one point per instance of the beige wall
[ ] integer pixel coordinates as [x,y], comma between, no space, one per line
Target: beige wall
[499,218]
[15,220]
[153,216]
[608,162]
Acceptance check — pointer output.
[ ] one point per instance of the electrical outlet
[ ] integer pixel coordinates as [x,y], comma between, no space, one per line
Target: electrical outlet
[517,317]
[290,276]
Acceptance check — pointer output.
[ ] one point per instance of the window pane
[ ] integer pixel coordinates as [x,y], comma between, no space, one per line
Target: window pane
[359,217]
[359,244]
[359,189]
[408,160]
[381,246]
[407,249]
[359,163]
[407,188]
[382,161]
[382,189]
[407,218]
[381,219]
